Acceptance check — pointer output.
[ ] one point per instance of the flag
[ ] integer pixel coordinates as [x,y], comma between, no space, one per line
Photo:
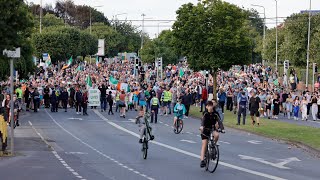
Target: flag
[79,68]
[123,86]
[89,81]
[181,72]
[276,82]
[113,81]
[68,64]
[48,61]
[97,61]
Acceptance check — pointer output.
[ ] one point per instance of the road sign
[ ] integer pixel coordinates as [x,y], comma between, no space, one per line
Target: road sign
[12,54]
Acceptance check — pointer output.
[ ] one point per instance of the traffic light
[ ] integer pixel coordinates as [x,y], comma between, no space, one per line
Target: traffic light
[315,67]
[286,64]
[160,62]
[137,61]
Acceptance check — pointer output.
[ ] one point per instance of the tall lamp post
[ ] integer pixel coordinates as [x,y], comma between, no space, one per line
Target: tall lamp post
[276,34]
[116,18]
[91,17]
[308,48]
[264,28]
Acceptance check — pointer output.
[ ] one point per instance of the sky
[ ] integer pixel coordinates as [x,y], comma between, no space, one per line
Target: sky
[165,10]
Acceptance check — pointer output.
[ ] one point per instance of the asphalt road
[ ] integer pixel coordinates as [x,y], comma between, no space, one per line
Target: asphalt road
[101,146]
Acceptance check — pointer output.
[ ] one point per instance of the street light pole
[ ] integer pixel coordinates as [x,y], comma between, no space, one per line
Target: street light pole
[91,17]
[116,18]
[276,35]
[308,49]
[143,15]
[40,16]
[264,30]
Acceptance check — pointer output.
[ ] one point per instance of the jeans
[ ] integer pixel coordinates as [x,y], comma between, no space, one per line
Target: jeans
[221,104]
[154,114]
[103,103]
[169,107]
[242,111]
[203,103]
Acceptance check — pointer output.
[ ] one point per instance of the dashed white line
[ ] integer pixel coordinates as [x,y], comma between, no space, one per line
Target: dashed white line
[91,147]
[189,153]
[188,132]
[166,124]
[56,154]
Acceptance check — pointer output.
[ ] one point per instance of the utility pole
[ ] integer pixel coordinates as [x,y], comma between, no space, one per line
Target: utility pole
[276,35]
[264,29]
[40,16]
[308,48]
[143,15]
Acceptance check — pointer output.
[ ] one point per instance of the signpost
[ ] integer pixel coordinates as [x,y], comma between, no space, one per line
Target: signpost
[12,55]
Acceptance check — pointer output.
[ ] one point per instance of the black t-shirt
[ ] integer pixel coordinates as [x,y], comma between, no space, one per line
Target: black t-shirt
[284,97]
[209,119]
[254,103]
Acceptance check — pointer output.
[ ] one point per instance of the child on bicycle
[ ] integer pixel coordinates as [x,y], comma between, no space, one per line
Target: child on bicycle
[209,124]
[179,110]
[142,124]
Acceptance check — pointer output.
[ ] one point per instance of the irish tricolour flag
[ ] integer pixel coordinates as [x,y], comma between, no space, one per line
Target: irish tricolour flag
[120,86]
[68,64]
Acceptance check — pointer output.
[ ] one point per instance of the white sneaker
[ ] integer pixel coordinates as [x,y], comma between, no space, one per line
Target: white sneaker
[186,117]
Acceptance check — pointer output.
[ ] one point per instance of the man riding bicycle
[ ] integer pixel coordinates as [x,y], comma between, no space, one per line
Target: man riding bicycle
[209,124]
[179,110]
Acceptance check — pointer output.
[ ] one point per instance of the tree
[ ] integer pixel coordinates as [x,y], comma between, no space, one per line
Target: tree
[212,35]
[16,26]
[60,42]
[88,44]
[112,37]
[160,47]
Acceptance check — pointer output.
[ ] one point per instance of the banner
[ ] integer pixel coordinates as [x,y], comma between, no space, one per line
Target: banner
[94,97]
[100,47]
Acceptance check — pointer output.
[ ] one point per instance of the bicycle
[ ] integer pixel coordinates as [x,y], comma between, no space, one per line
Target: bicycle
[146,136]
[212,154]
[178,126]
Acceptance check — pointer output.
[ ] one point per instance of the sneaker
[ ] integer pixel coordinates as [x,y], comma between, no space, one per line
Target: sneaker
[202,164]
[140,141]
[186,117]
[152,137]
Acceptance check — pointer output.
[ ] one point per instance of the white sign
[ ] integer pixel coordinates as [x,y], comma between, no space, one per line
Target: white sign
[12,54]
[100,47]
[94,97]
[279,165]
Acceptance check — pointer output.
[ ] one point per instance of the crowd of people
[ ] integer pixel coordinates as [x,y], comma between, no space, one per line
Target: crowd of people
[255,87]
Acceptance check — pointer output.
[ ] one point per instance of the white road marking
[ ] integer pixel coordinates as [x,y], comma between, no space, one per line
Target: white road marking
[161,122]
[79,153]
[198,135]
[188,141]
[188,132]
[166,124]
[254,142]
[189,153]
[86,144]
[224,142]
[80,119]
[279,165]
[132,120]
[55,153]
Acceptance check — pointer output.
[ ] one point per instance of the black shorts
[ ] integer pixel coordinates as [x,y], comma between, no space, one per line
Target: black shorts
[164,104]
[205,134]
[255,113]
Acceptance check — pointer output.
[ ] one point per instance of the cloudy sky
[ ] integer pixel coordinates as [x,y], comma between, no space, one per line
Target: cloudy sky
[165,9]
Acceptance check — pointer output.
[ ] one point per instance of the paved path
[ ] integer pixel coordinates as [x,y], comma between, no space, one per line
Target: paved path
[99,146]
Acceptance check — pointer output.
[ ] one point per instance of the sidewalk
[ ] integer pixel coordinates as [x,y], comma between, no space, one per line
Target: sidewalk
[33,159]
[309,123]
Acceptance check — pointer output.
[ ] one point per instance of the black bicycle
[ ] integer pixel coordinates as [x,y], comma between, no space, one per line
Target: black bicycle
[146,136]
[178,126]
[212,154]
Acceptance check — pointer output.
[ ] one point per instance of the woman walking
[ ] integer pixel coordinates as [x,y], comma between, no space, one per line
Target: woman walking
[289,103]
[304,108]
[296,107]
[276,106]
[314,107]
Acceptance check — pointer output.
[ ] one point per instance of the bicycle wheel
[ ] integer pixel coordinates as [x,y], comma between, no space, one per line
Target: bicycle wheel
[213,154]
[179,126]
[145,149]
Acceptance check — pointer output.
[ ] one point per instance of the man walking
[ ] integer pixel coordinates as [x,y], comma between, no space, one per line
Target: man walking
[204,97]
[242,107]
[254,106]
[103,97]
[64,97]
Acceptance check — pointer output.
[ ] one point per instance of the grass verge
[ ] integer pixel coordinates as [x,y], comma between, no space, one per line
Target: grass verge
[305,135]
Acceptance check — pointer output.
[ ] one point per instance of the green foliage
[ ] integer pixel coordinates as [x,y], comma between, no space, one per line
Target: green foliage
[16,26]
[160,47]
[212,35]
[63,42]
[112,37]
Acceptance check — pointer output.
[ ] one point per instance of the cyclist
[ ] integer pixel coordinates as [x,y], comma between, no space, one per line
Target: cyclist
[209,122]
[179,110]
[142,124]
